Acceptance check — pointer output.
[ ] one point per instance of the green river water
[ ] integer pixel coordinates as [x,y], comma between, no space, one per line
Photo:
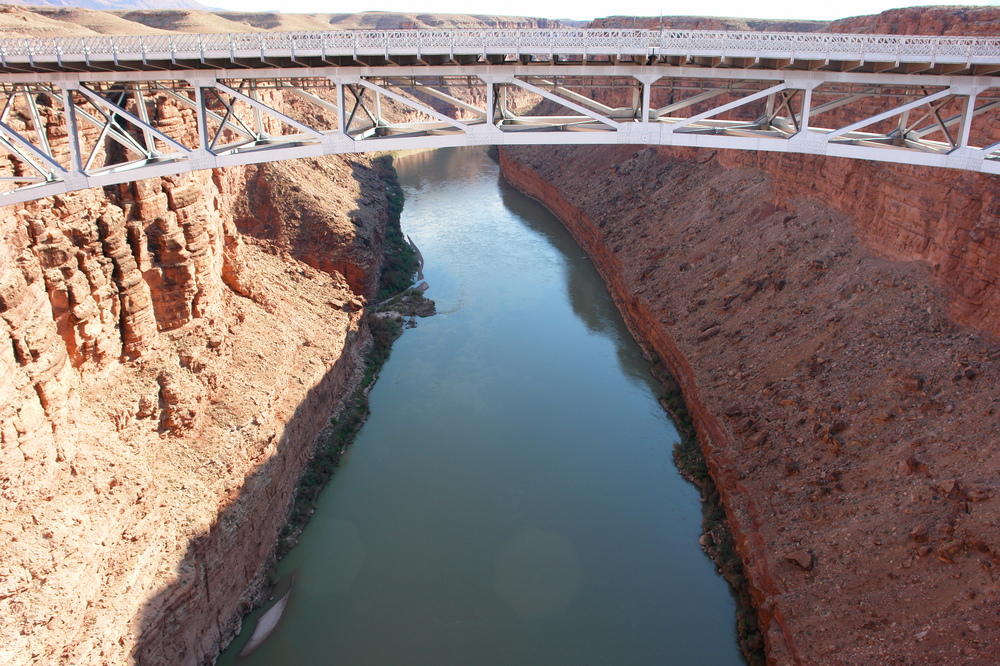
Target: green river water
[512,499]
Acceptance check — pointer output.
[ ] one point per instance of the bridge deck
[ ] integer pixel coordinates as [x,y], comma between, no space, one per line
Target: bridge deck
[905,54]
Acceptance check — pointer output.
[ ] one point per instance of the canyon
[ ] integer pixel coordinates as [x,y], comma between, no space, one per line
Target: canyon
[174,346]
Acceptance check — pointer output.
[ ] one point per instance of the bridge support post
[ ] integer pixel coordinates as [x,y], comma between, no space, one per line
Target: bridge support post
[491,101]
[968,109]
[201,114]
[341,105]
[807,95]
[72,129]
[643,113]
[646,92]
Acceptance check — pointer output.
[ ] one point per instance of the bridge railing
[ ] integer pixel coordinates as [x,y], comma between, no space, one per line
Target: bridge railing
[563,41]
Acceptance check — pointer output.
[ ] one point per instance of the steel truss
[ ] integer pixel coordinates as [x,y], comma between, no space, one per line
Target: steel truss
[64,131]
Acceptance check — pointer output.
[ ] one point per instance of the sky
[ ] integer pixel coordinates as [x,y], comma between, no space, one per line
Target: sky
[588,9]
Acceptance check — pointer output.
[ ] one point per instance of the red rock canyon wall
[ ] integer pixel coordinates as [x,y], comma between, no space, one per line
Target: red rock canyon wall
[169,350]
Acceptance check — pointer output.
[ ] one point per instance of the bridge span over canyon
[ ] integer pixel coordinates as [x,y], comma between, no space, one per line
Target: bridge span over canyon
[94,111]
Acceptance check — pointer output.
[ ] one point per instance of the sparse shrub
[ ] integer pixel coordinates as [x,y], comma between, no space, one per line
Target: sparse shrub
[400,262]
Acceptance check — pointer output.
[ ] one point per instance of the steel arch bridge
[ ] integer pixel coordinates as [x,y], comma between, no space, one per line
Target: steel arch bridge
[88,112]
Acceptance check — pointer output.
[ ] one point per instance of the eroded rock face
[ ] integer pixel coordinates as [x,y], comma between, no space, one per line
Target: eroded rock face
[961,21]
[948,219]
[845,415]
[165,367]
[332,229]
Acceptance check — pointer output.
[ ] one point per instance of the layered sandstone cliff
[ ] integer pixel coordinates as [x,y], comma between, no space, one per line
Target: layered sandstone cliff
[169,350]
[947,219]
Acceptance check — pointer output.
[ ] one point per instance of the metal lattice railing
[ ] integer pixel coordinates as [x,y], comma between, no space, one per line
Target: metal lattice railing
[528,41]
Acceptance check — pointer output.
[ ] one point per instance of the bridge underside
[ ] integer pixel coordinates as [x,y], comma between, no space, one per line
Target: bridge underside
[67,131]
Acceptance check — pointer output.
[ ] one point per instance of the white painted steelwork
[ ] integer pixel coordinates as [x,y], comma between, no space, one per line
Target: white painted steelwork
[86,112]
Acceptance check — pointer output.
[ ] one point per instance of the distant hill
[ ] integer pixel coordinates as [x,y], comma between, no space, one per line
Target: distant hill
[111,5]
[56,19]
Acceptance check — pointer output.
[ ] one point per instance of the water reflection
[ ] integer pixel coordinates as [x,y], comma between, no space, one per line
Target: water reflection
[590,298]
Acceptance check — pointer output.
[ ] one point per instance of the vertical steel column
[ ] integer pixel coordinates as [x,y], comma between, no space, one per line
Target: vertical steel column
[646,95]
[72,129]
[968,110]
[769,110]
[341,103]
[491,102]
[202,116]
[904,118]
[143,113]
[258,119]
[807,96]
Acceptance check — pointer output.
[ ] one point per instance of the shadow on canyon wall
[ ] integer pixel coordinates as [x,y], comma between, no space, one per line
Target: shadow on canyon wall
[188,621]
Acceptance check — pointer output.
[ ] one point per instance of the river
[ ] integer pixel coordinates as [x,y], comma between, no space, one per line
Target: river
[512,499]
